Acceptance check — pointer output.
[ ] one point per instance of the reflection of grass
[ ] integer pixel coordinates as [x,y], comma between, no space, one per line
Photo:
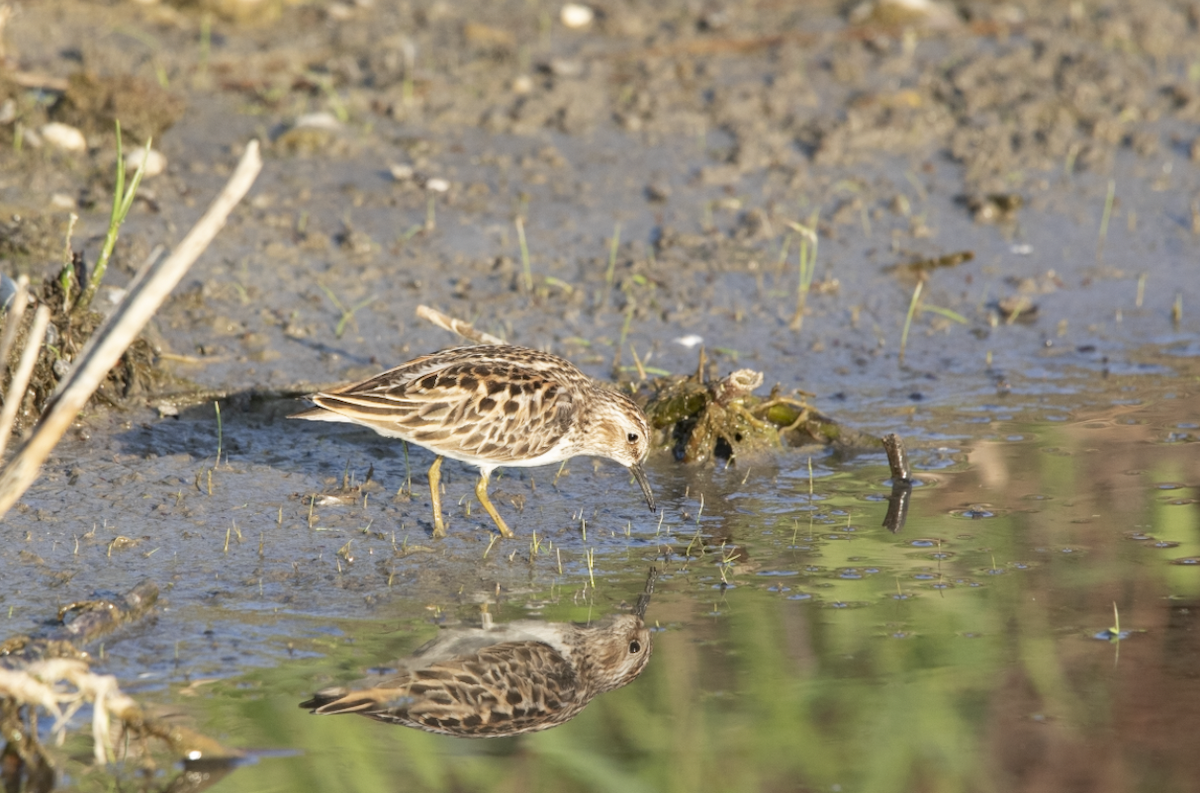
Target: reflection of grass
[920,693]
[745,708]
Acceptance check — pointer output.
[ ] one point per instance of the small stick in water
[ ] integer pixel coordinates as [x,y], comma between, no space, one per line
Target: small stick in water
[897,514]
[897,458]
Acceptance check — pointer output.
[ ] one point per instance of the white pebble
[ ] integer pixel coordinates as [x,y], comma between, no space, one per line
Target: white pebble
[925,13]
[62,201]
[64,137]
[156,162]
[318,121]
[565,67]
[401,172]
[576,15]
[689,341]
[437,185]
[522,84]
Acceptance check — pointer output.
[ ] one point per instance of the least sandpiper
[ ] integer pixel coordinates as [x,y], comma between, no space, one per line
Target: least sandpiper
[490,682]
[493,406]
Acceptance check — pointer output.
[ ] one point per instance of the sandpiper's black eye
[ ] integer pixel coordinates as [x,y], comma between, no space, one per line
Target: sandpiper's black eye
[632,437]
[635,647]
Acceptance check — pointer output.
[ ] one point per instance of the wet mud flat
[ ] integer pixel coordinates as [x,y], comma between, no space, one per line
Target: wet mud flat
[667,166]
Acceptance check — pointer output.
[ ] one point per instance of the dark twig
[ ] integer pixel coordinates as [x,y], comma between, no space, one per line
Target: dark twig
[897,458]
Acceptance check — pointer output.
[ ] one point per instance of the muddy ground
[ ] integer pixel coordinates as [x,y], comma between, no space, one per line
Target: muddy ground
[1057,143]
[701,131]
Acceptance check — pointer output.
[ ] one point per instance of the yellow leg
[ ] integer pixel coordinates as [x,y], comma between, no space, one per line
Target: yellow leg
[482,494]
[435,492]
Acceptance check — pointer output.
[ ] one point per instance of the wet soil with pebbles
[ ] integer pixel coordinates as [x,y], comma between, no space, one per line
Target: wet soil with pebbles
[663,161]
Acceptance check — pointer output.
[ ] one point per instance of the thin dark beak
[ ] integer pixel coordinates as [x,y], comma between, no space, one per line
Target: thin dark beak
[640,476]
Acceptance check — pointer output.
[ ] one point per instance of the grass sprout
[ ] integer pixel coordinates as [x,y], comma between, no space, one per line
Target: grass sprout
[347,314]
[123,196]
[525,266]
[807,267]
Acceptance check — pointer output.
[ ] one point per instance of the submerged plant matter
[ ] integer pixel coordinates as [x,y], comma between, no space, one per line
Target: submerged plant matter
[701,418]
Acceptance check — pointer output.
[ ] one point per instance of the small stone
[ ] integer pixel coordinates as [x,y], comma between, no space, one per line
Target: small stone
[62,201]
[564,67]
[156,162]
[322,120]
[437,185]
[714,19]
[658,192]
[401,172]
[522,85]
[576,15]
[64,136]
[8,290]
[927,14]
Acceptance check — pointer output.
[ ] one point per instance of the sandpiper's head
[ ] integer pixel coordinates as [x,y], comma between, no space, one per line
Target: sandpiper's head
[618,430]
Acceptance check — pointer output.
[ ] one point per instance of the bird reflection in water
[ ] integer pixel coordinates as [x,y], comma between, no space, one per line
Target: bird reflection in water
[504,680]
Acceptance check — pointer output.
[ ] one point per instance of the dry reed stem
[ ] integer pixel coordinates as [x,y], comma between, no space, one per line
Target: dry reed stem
[20,378]
[12,323]
[37,684]
[464,329]
[143,297]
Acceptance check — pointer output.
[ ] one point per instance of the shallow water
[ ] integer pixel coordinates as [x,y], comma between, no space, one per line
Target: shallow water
[967,652]
[797,643]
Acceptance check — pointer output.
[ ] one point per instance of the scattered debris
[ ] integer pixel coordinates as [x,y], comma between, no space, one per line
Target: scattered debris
[920,266]
[1017,308]
[995,207]
[309,134]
